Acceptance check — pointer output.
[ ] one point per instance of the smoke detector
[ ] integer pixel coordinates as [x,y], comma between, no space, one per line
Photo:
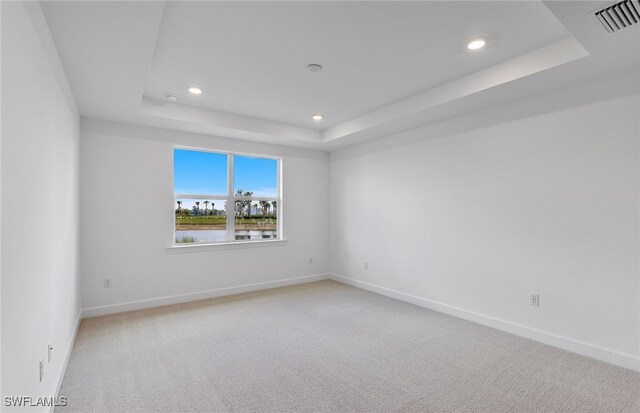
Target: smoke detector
[314,67]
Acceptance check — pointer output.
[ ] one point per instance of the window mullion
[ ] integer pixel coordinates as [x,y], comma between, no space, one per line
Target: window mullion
[231,205]
[279,205]
[198,196]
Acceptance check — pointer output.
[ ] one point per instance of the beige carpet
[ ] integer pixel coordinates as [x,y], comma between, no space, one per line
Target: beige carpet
[326,347]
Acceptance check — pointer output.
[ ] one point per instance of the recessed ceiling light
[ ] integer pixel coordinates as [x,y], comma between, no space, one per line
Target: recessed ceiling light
[317,116]
[476,44]
[195,90]
[170,97]
[314,67]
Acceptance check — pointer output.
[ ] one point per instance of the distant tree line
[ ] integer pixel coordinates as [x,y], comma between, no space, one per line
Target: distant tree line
[196,210]
[244,208]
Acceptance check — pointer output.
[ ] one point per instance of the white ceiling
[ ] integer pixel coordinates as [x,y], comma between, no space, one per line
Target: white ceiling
[388,66]
[251,58]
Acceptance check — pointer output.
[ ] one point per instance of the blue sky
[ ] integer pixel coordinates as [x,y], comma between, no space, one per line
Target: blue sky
[206,173]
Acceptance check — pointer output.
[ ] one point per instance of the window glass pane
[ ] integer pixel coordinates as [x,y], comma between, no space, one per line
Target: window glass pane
[199,173]
[256,219]
[200,221]
[255,176]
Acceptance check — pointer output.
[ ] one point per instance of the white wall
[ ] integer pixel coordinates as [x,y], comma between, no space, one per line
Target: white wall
[128,168]
[40,129]
[472,222]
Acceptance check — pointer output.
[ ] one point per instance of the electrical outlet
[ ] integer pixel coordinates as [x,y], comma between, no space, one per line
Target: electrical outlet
[49,353]
[366,265]
[106,282]
[310,260]
[534,299]
[41,369]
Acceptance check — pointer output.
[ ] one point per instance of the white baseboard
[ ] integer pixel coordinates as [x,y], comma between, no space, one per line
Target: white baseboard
[65,363]
[628,361]
[200,295]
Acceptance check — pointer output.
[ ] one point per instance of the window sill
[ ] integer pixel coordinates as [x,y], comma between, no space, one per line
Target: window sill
[219,246]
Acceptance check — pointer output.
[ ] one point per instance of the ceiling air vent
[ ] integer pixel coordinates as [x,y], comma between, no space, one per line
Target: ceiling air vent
[619,15]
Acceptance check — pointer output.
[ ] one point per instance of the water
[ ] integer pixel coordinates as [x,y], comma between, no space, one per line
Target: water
[220,235]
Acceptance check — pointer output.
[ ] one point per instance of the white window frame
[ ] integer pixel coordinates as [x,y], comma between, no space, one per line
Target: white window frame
[230,198]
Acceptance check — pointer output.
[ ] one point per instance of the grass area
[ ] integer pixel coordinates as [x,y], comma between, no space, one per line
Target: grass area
[219,219]
[201,220]
[197,223]
[185,240]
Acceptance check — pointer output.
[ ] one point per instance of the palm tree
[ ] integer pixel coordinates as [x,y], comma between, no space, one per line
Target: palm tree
[238,209]
[206,204]
[245,205]
[197,207]
[213,211]
[275,207]
[265,208]
[179,205]
[248,203]
[239,204]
